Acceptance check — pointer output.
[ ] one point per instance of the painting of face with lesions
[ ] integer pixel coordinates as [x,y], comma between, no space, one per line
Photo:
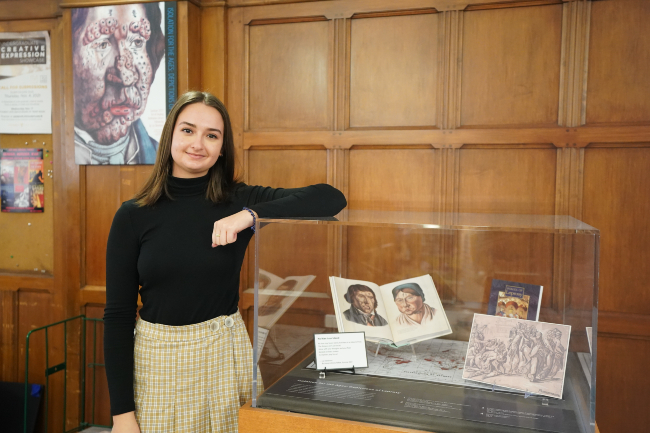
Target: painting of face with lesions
[116,53]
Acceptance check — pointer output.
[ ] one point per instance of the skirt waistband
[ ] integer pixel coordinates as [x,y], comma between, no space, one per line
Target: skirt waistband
[196,331]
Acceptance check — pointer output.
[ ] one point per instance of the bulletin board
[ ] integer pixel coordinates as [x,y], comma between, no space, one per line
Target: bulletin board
[27,239]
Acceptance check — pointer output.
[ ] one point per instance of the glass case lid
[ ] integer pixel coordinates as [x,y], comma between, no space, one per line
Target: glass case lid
[450,221]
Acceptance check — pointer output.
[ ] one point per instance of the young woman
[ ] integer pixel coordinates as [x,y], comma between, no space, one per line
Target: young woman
[182,240]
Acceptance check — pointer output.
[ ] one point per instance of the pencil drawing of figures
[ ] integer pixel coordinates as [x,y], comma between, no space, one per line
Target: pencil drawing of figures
[527,356]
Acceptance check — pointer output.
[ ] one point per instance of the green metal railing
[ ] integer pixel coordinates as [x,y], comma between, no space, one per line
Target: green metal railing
[63,367]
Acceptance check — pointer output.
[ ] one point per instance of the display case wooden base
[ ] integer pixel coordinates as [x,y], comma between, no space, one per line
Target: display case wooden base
[257,420]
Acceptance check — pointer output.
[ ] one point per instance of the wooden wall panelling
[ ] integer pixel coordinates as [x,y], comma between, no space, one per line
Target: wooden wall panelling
[392,179]
[291,69]
[456,138]
[236,87]
[289,169]
[504,81]
[338,172]
[97,405]
[34,310]
[213,50]
[67,217]
[189,47]
[495,179]
[616,182]
[573,65]
[9,338]
[38,9]
[622,366]
[393,71]
[613,179]
[272,9]
[618,94]
[341,59]
[304,247]
[450,41]
[508,180]
[37,300]
[101,202]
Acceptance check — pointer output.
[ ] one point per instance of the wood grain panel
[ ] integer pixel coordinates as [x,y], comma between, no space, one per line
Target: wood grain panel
[291,250]
[505,81]
[213,47]
[619,56]
[391,179]
[15,9]
[189,47]
[520,181]
[102,201]
[511,256]
[623,384]
[34,311]
[9,336]
[96,378]
[616,185]
[393,71]
[384,255]
[291,84]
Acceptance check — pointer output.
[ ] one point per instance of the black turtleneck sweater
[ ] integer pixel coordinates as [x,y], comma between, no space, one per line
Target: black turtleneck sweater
[167,250]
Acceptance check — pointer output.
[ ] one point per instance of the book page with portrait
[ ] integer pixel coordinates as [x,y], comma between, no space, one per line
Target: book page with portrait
[359,308]
[414,310]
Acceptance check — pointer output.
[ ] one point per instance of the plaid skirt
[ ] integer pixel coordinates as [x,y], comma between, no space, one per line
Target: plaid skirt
[192,378]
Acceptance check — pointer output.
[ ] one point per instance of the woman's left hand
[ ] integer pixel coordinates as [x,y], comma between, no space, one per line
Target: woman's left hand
[226,229]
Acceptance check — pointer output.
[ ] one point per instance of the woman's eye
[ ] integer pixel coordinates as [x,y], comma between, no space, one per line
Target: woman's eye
[186,130]
[103,45]
[212,136]
[138,43]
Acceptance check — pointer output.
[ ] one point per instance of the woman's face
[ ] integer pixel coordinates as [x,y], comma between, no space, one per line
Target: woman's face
[408,303]
[196,140]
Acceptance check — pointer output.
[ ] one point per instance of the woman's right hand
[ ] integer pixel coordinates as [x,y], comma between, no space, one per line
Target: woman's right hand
[125,423]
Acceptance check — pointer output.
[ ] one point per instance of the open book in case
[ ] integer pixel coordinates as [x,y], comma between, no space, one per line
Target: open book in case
[464,371]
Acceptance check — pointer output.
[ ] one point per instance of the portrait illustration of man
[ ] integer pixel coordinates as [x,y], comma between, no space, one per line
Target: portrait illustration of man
[409,299]
[116,52]
[363,309]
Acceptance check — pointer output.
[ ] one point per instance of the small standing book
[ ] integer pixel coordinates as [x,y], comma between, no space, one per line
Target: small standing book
[515,300]
[399,313]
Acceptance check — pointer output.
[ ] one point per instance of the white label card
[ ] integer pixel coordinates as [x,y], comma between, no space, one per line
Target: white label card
[341,350]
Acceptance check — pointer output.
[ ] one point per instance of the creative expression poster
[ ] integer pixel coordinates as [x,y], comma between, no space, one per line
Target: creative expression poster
[124,73]
[21,180]
[25,83]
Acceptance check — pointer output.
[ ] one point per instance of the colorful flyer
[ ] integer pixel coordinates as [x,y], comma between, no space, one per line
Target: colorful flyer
[21,180]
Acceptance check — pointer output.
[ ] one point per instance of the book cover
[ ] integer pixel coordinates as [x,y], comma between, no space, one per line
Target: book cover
[515,300]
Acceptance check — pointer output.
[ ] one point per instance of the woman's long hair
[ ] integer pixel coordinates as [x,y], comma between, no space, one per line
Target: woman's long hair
[221,174]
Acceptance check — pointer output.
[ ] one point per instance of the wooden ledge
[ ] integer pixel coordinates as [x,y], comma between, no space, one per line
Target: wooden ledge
[256,420]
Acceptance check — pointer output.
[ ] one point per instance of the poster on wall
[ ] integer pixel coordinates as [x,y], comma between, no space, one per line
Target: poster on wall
[124,75]
[21,180]
[25,83]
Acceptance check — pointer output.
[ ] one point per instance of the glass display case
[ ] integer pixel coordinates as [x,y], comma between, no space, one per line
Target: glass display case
[459,382]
